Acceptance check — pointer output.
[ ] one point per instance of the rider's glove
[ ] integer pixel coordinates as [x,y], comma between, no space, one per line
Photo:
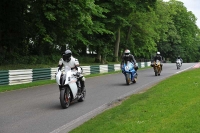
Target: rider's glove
[136,67]
[78,74]
[57,70]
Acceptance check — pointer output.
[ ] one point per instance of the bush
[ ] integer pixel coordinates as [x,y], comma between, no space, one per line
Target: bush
[86,59]
[32,59]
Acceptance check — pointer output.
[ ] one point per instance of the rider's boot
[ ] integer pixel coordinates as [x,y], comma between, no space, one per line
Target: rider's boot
[79,86]
[136,74]
[82,84]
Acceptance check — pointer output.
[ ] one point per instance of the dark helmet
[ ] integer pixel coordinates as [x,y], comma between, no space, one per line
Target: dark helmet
[127,52]
[67,55]
[179,57]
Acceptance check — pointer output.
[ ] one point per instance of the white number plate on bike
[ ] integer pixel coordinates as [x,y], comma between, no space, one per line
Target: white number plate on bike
[126,68]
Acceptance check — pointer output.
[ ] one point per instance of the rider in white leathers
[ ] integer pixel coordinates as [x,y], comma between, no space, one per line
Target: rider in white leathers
[180,59]
[71,63]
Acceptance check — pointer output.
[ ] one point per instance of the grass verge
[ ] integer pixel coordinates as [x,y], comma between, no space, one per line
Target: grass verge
[172,106]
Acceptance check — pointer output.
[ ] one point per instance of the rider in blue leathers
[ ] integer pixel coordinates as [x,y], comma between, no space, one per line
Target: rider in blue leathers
[129,57]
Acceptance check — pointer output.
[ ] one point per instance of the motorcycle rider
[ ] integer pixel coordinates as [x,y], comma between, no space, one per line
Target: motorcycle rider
[180,59]
[158,57]
[71,63]
[129,57]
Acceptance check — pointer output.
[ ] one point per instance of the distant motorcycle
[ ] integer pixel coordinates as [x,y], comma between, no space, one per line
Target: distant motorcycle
[157,68]
[69,86]
[178,63]
[129,72]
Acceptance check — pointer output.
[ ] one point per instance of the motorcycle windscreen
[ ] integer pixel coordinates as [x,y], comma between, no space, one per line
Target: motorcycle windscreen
[128,67]
[178,61]
[74,88]
[157,62]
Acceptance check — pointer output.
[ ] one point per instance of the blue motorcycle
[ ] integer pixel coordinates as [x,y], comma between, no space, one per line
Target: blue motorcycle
[129,73]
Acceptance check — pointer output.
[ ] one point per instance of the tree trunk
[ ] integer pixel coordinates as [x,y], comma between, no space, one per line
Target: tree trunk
[98,58]
[128,34]
[103,56]
[117,45]
[102,61]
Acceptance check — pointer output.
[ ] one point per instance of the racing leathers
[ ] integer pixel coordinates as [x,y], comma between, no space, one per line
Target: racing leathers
[73,64]
[158,57]
[130,58]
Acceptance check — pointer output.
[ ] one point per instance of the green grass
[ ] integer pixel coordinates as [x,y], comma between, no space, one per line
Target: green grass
[171,106]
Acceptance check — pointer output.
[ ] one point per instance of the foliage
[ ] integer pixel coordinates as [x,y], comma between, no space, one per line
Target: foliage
[180,36]
[32,28]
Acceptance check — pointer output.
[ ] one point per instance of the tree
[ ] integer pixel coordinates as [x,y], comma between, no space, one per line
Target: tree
[181,34]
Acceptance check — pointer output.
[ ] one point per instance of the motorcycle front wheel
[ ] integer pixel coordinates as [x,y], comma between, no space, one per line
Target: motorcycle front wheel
[65,98]
[178,66]
[128,79]
[156,71]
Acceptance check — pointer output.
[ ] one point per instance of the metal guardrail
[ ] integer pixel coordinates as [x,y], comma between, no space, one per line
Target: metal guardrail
[22,76]
[4,77]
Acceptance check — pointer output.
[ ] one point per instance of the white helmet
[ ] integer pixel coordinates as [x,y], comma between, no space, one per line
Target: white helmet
[126,52]
[158,53]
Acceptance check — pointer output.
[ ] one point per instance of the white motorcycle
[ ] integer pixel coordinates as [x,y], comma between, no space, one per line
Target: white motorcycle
[178,63]
[70,87]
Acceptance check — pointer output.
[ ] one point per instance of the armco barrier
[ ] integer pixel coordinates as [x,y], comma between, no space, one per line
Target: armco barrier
[4,79]
[13,77]
[20,76]
[41,74]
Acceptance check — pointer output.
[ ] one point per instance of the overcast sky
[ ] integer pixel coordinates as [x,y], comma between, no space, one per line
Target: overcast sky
[194,6]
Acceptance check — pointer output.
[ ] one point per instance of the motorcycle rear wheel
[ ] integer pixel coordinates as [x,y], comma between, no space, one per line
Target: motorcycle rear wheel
[65,98]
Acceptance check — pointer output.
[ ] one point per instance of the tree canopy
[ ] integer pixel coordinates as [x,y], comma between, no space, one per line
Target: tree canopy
[107,27]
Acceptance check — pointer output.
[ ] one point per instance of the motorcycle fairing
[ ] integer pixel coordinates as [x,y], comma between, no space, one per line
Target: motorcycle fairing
[71,81]
[129,68]
[74,88]
[178,61]
[157,62]
[58,77]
